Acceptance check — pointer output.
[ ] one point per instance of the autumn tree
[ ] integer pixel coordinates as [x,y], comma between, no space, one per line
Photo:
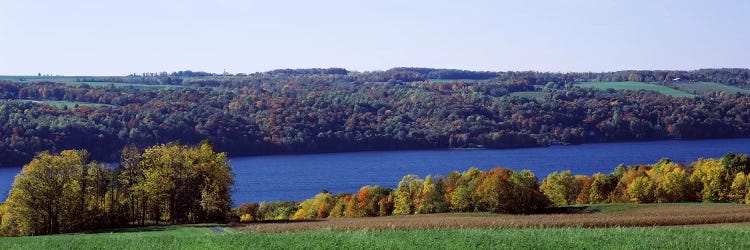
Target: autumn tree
[408,195]
[504,191]
[562,188]
[433,196]
[712,180]
[739,189]
[340,208]
[463,198]
[186,184]
[583,195]
[55,194]
[601,187]
[318,207]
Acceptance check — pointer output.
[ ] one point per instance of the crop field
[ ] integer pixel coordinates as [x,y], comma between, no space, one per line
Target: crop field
[705,87]
[615,215]
[634,86]
[73,80]
[631,226]
[530,94]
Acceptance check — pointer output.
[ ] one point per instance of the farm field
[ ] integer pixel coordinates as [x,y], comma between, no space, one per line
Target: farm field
[601,215]
[530,231]
[634,86]
[73,80]
[704,87]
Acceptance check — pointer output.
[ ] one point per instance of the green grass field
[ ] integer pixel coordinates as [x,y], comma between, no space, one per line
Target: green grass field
[184,237]
[464,235]
[530,94]
[634,86]
[73,81]
[704,87]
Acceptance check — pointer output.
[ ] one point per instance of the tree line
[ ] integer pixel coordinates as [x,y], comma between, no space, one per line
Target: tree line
[706,180]
[501,190]
[172,184]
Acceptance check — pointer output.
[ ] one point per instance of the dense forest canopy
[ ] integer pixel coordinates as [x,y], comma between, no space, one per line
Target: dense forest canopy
[331,110]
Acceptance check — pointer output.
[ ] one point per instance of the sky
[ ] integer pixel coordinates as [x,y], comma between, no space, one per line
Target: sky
[104,37]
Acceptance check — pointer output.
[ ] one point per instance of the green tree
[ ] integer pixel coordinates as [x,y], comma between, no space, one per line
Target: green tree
[601,187]
[463,199]
[561,188]
[186,184]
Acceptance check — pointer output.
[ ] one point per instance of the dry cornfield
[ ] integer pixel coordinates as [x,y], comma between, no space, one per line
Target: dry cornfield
[619,215]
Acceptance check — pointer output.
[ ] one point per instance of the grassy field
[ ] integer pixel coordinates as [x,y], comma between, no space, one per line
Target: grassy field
[467,230]
[530,94]
[705,87]
[184,237]
[73,80]
[634,86]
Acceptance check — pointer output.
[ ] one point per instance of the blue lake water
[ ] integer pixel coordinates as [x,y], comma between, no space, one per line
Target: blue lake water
[298,177]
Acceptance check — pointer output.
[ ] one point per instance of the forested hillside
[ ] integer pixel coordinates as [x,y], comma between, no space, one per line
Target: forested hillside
[329,110]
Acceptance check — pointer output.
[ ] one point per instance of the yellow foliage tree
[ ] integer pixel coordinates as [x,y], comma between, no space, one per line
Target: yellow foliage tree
[710,176]
[739,188]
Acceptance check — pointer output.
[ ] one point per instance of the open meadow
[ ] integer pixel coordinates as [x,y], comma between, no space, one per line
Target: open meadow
[706,87]
[73,80]
[634,86]
[631,226]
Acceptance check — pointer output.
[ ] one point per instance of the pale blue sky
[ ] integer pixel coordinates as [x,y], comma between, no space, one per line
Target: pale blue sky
[100,37]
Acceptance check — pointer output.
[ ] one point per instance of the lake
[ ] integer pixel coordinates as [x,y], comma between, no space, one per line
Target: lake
[298,177]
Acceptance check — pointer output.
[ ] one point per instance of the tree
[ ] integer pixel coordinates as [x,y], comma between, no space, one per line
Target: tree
[561,188]
[318,207]
[601,187]
[433,197]
[463,198]
[583,195]
[186,184]
[710,176]
[248,212]
[736,163]
[505,191]
[130,175]
[641,190]
[340,208]
[52,193]
[739,189]
[408,195]
[674,186]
